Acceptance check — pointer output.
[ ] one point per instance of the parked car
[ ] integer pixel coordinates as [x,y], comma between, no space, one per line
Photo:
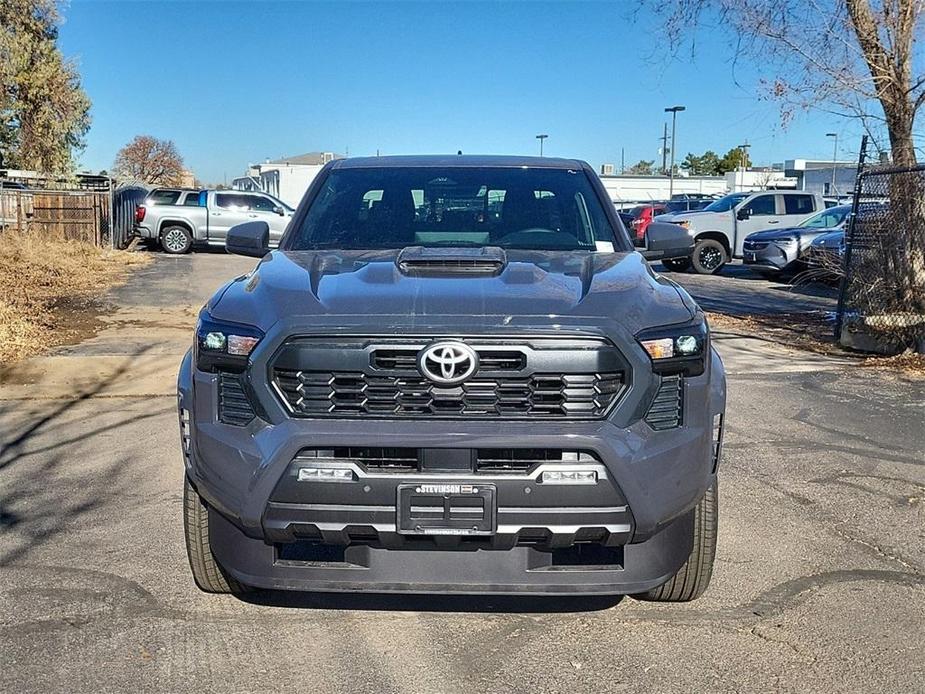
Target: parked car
[720,228]
[774,251]
[642,218]
[178,219]
[688,202]
[394,389]
[826,253]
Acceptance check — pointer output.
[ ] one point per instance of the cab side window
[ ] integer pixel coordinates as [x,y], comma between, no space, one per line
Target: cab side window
[799,204]
[763,205]
[262,204]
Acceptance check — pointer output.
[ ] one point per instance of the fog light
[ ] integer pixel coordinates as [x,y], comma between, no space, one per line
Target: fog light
[569,477]
[325,474]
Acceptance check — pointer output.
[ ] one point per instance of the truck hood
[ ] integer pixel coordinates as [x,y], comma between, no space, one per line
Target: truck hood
[368,288]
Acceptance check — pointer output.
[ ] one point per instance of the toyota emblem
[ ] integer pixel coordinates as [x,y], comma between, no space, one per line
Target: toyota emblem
[448,363]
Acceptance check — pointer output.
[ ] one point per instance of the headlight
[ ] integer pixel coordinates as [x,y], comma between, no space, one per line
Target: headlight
[788,241]
[223,346]
[677,349]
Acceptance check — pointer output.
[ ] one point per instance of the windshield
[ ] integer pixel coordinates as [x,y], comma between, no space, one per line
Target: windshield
[827,219]
[726,203]
[395,207]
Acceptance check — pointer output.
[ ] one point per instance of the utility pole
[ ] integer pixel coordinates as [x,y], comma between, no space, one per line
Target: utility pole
[832,190]
[673,110]
[622,161]
[541,138]
[664,139]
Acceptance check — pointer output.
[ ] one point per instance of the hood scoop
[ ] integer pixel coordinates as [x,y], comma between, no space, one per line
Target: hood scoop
[422,261]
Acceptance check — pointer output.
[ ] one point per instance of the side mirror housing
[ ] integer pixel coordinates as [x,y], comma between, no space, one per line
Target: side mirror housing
[667,240]
[743,214]
[280,210]
[250,239]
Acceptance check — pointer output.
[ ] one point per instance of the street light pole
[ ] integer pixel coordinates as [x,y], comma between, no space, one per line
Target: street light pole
[832,190]
[541,138]
[673,110]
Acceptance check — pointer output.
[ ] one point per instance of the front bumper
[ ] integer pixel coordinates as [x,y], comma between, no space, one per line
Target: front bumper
[654,479]
[771,257]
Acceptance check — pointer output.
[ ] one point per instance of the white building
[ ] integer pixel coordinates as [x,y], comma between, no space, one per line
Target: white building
[626,189]
[287,178]
[748,180]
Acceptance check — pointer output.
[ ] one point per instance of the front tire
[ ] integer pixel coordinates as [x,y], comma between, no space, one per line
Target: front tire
[709,256]
[693,577]
[676,264]
[207,572]
[176,240]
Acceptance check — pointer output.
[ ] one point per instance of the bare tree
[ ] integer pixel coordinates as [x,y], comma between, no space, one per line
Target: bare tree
[855,58]
[149,160]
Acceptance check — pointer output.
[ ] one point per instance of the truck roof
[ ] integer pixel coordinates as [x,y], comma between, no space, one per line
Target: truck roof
[463,160]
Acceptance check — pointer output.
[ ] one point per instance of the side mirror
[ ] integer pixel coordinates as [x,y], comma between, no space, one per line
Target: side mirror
[280,210]
[743,214]
[667,240]
[250,239]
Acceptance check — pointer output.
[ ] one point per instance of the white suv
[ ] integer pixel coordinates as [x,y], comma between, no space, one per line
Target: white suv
[720,228]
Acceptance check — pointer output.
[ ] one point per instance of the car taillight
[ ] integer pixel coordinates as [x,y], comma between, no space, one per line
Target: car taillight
[140,213]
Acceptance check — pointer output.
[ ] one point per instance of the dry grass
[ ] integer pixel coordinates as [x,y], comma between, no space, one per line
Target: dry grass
[814,333]
[809,331]
[45,286]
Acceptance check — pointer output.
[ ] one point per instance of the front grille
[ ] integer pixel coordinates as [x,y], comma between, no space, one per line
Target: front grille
[666,410]
[412,460]
[317,393]
[234,407]
[347,377]
[756,245]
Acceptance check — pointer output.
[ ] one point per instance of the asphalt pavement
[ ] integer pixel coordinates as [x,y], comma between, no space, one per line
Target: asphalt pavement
[819,583]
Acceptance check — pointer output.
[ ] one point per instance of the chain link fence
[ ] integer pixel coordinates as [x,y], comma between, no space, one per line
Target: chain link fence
[882,293]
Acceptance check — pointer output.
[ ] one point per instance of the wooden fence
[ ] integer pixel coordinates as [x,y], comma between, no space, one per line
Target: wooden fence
[82,215]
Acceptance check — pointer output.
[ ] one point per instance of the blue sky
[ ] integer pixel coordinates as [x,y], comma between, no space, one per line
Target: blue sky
[235,83]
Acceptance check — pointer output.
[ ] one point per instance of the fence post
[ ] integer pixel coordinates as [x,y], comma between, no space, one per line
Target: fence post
[849,238]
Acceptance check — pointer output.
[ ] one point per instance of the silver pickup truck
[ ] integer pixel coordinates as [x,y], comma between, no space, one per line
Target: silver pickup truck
[179,219]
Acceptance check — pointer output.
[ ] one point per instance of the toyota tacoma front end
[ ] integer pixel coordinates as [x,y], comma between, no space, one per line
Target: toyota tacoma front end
[454,376]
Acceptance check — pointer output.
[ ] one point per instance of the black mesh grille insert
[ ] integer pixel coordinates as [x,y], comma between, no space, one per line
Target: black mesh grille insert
[403,460]
[524,459]
[316,393]
[370,458]
[233,404]
[666,410]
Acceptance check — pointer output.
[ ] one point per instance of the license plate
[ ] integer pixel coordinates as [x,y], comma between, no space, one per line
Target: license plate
[751,256]
[446,509]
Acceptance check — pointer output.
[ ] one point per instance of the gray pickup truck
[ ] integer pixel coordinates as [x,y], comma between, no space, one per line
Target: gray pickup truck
[454,375]
[179,219]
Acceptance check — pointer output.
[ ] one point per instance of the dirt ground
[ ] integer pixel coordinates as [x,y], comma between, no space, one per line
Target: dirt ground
[49,291]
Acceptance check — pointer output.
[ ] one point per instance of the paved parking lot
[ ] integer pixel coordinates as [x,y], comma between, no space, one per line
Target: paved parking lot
[819,584]
[738,291]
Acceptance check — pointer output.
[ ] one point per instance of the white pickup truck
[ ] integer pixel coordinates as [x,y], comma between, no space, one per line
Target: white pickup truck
[719,229]
[178,218]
